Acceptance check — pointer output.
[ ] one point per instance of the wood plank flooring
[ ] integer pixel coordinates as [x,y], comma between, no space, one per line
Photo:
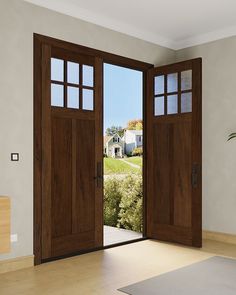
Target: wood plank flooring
[103,272]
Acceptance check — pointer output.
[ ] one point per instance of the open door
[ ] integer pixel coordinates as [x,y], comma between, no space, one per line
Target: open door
[71,152]
[174,132]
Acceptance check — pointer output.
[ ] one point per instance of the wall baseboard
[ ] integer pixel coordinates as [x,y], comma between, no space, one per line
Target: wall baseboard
[219,237]
[16,263]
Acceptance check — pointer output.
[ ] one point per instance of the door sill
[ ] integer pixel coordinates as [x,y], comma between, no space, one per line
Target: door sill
[92,250]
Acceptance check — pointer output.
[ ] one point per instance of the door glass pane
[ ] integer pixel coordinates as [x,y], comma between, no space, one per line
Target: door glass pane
[186,102]
[172,82]
[159,108]
[73,97]
[87,76]
[186,80]
[172,104]
[73,72]
[88,99]
[159,85]
[57,95]
[57,69]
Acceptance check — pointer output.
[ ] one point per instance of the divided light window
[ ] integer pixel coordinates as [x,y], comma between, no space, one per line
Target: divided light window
[72,85]
[173,93]
[116,139]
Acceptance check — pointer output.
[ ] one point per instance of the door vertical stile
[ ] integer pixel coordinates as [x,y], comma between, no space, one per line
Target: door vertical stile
[99,151]
[197,153]
[149,151]
[46,152]
[74,178]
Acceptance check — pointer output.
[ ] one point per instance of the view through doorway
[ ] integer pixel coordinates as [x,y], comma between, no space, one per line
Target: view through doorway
[123,151]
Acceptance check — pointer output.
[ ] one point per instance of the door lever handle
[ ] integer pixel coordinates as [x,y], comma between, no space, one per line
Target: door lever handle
[195,175]
[99,177]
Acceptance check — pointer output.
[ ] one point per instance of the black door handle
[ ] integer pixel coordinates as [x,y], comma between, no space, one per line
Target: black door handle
[99,177]
[195,175]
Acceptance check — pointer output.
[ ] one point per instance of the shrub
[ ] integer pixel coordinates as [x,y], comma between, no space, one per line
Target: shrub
[123,202]
[130,215]
[137,152]
[112,198]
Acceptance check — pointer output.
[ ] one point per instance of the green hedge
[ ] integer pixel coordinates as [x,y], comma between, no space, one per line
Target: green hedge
[112,199]
[123,202]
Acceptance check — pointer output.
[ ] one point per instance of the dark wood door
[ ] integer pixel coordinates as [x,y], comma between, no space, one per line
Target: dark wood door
[71,152]
[174,200]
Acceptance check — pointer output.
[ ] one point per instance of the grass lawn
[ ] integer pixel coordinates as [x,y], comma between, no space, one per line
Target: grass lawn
[116,166]
[135,160]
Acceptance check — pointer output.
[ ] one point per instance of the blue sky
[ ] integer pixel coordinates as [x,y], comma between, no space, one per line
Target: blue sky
[123,92]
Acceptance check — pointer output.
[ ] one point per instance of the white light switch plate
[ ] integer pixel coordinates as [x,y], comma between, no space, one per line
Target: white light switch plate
[14,238]
[15,157]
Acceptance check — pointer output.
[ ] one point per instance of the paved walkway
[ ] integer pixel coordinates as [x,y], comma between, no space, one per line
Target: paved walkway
[114,235]
[131,164]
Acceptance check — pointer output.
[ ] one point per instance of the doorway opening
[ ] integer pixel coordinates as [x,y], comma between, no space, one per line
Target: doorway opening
[70,145]
[123,151]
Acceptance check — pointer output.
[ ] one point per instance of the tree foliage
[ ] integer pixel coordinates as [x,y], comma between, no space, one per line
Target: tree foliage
[135,125]
[110,131]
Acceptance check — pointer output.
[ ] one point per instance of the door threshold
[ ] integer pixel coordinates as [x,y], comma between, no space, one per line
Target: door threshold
[124,243]
[93,250]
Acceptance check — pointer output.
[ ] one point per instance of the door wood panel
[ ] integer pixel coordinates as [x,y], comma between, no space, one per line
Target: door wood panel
[162,169]
[174,210]
[182,174]
[85,183]
[61,182]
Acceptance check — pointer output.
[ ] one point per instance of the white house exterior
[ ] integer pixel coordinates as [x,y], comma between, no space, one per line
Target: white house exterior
[132,139]
[114,146]
[117,147]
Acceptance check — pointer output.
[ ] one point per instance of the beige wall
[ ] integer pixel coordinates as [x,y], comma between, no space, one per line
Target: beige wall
[18,22]
[219,119]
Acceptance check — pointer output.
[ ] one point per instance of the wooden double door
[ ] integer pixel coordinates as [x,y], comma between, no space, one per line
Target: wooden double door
[68,174]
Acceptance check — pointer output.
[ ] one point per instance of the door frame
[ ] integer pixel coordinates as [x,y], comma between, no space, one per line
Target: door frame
[109,58]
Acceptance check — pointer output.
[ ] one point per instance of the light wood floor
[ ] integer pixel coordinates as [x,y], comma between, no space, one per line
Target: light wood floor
[101,273]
